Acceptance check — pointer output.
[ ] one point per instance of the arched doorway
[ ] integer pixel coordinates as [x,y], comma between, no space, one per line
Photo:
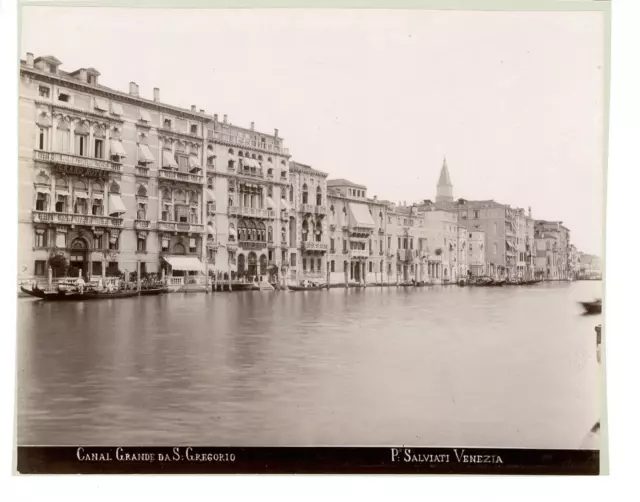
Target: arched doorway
[241,266]
[252,268]
[78,256]
[263,265]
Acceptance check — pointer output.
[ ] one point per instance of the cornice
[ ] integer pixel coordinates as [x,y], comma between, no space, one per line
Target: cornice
[79,112]
[106,92]
[246,147]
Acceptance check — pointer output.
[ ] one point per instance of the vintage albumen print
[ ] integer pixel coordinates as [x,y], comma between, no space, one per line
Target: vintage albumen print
[310,228]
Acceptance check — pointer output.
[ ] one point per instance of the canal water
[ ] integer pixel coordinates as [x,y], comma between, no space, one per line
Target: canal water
[436,366]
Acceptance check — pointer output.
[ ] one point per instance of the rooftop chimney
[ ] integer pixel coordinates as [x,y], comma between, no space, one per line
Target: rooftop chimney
[83,75]
[30,59]
[215,117]
[133,89]
[201,110]
[253,125]
[275,133]
[156,94]
[375,197]
[193,108]
[224,118]
[529,211]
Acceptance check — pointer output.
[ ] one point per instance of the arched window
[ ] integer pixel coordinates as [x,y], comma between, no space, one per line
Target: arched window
[97,187]
[344,210]
[270,191]
[333,210]
[262,232]
[115,188]
[269,160]
[260,157]
[318,196]
[166,194]
[230,151]
[142,191]
[305,194]
[291,193]
[240,154]
[180,196]
[270,172]
[178,249]
[318,231]
[270,234]
[305,230]
[231,164]
[283,235]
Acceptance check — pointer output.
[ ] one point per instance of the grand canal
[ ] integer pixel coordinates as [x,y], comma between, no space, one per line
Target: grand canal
[511,366]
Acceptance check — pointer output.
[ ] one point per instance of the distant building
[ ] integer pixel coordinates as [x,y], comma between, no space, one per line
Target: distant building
[553,250]
[445,187]
[475,255]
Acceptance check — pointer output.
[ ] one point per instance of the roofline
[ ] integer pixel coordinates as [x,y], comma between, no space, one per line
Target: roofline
[123,96]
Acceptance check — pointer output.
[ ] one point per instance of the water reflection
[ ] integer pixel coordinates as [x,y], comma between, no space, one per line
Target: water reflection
[433,366]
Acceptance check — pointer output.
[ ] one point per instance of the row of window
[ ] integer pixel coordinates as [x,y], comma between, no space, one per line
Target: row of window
[40,268]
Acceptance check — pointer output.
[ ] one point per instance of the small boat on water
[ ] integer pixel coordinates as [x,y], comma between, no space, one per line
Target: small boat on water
[76,296]
[308,288]
[592,307]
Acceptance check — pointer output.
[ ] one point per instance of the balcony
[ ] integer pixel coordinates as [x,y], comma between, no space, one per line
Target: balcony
[180,176]
[174,226]
[252,244]
[141,224]
[359,253]
[314,246]
[87,220]
[250,212]
[381,231]
[142,171]
[234,140]
[252,173]
[307,208]
[332,226]
[313,274]
[75,164]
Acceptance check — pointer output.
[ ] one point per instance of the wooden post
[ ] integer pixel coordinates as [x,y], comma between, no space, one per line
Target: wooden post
[346,275]
[364,272]
[50,279]
[138,275]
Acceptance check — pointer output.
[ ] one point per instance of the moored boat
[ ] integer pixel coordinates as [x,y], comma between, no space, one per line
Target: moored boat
[592,307]
[308,288]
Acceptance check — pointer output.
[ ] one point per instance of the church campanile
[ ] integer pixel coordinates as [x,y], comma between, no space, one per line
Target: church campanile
[445,187]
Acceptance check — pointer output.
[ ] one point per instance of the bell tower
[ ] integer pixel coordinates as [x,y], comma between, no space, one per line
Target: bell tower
[445,187]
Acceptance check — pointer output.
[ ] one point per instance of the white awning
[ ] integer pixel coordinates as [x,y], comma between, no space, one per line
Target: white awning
[192,242]
[64,193]
[82,195]
[168,160]
[232,231]
[284,205]
[116,206]
[144,154]
[210,195]
[43,190]
[270,203]
[116,108]
[101,104]
[210,153]
[117,148]
[210,230]
[193,161]
[360,216]
[249,162]
[144,115]
[97,195]
[187,263]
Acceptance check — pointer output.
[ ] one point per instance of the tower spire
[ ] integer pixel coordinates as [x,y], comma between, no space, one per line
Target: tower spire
[445,187]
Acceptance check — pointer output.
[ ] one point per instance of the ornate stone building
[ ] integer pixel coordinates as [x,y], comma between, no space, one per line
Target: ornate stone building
[109,180]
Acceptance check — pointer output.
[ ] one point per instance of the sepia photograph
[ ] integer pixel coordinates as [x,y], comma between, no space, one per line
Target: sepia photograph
[311,240]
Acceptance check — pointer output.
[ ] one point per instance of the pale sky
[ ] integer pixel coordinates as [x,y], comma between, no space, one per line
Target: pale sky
[513,100]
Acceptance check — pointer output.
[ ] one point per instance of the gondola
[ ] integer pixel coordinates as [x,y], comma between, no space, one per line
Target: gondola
[65,296]
[592,307]
[307,288]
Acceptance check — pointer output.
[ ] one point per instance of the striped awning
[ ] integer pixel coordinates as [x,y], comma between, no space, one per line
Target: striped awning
[117,148]
[168,160]
[144,154]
